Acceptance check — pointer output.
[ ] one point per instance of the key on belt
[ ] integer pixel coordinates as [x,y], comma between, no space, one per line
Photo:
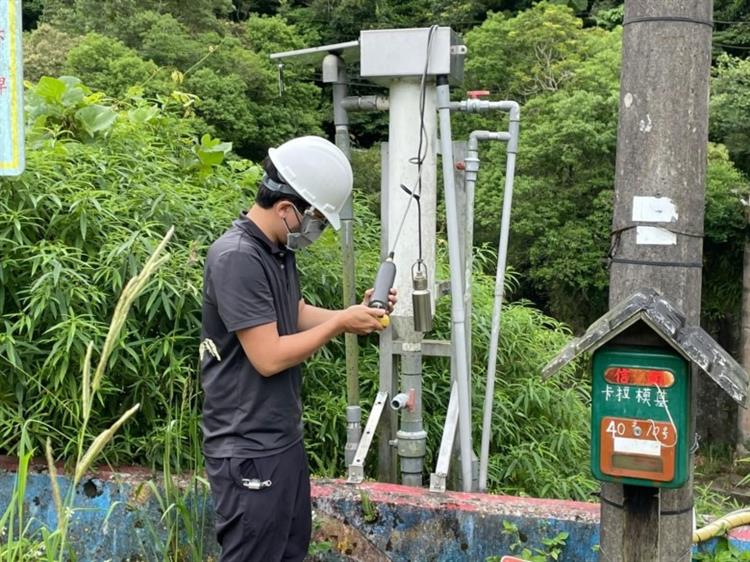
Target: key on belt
[255,484]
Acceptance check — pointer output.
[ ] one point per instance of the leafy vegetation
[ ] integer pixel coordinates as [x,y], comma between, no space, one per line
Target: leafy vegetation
[724,552]
[568,76]
[161,109]
[561,58]
[104,180]
[551,550]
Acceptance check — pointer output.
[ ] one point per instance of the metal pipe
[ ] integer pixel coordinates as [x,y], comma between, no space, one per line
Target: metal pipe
[334,72]
[365,103]
[404,133]
[499,286]
[477,105]
[457,304]
[399,401]
[411,437]
[406,129]
[470,176]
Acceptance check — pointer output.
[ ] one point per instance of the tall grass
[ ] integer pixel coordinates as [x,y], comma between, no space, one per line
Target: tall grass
[21,543]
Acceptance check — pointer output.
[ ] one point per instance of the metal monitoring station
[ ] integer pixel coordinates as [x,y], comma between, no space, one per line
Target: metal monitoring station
[417,66]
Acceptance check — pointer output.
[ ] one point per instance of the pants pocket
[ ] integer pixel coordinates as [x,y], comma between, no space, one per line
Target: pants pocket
[242,469]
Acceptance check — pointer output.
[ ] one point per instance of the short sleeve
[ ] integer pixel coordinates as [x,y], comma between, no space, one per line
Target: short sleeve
[242,291]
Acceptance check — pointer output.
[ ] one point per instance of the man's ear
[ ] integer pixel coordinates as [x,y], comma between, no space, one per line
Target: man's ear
[282,208]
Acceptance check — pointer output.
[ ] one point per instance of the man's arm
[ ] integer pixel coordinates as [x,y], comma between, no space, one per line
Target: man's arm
[310,316]
[271,353]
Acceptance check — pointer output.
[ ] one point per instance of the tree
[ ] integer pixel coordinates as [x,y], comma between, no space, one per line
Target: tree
[562,207]
[113,17]
[230,73]
[733,33]
[108,65]
[569,78]
[45,51]
[536,51]
[730,107]
[32,10]
[725,235]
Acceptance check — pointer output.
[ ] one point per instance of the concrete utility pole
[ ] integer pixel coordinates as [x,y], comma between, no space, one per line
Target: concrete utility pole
[657,229]
[743,415]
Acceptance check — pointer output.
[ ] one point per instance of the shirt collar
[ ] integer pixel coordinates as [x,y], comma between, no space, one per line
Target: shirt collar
[252,229]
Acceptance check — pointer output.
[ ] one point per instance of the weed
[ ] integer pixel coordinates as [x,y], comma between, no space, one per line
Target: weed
[553,546]
[724,552]
[369,512]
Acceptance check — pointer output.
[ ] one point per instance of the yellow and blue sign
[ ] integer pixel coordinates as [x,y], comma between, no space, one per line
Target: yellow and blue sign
[12,160]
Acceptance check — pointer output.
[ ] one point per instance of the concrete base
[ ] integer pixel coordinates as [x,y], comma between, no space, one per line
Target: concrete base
[408,524]
[119,517]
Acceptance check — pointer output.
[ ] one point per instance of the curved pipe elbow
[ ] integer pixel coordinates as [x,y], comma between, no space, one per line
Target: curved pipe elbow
[515,110]
[476,136]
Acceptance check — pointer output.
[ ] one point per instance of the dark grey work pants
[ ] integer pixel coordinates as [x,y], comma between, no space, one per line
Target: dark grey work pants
[271,524]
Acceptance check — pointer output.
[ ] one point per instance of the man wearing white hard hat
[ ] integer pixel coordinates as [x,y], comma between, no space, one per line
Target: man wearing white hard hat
[256,331]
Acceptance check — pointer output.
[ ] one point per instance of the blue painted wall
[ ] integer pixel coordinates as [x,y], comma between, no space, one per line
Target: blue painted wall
[120,518]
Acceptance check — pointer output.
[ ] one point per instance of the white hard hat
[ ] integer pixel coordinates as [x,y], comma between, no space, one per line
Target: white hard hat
[318,171]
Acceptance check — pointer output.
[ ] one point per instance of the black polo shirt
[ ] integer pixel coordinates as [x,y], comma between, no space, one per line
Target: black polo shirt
[248,281]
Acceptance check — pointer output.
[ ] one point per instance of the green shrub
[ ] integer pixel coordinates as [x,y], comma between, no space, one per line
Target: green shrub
[102,183]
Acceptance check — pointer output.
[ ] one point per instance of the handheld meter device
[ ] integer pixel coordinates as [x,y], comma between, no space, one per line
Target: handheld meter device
[640,416]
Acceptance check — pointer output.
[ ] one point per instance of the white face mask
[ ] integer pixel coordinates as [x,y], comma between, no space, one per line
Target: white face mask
[310,229]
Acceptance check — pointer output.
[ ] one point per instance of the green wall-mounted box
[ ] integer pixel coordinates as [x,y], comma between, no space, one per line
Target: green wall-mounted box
[640,416]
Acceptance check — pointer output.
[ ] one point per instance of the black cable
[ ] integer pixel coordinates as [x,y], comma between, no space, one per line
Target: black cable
[725,46]
[419,229]
[420,158]
[695,264]
[677,19]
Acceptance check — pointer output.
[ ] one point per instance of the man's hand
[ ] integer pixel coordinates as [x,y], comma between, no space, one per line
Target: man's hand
[361,319]
[392,299]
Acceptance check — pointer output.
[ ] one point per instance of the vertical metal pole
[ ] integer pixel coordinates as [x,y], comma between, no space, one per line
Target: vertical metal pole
[412,438]
[457,308]
[466,231]
[334,66]
[404,132]
[502,252]
[743,415]
[387,460]
[661,165]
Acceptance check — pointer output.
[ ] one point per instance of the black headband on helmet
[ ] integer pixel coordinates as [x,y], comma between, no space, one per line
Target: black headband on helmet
[278,186]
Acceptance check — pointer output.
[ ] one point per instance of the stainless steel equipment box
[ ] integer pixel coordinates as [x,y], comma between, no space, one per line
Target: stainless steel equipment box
[389,53]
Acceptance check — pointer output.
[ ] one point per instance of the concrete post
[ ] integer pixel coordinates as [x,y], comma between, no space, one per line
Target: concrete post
[743,415]
[403,141]
[657,228]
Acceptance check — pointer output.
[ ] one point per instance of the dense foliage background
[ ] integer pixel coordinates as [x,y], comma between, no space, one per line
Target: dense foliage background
[171,105]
